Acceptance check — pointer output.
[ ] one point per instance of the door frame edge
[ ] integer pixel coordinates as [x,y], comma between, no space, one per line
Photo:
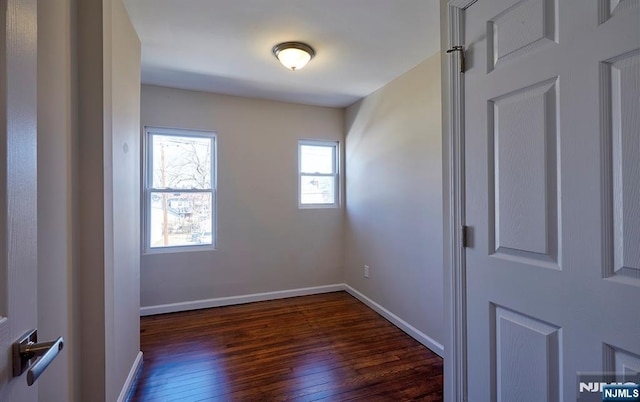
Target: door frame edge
[456,292]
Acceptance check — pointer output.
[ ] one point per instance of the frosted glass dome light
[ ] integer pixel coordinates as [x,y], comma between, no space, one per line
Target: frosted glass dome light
[293,55]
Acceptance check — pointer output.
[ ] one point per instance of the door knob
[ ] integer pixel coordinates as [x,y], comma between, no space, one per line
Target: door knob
[27,348]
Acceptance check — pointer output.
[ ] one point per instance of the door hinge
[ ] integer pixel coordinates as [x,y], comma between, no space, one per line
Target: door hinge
[461,50]
[464,236]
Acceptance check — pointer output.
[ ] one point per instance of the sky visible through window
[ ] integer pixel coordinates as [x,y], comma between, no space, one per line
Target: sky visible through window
[317,159]
[185,162]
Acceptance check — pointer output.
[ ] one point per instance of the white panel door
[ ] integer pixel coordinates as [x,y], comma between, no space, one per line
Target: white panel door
[18,221]
[552,154]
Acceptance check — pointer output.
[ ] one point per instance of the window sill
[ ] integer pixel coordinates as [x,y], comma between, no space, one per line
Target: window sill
[319,206]
[178,249]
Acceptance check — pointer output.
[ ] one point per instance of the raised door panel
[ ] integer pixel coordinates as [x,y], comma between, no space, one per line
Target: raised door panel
[612,8]
[522,126]
[520,29]
[519,339]
[620,79]
[624,364]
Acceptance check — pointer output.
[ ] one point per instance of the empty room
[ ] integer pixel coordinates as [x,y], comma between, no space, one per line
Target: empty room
[263,180]
[217,200]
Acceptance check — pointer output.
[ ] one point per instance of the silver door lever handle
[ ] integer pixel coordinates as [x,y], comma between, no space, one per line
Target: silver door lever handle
[26,349]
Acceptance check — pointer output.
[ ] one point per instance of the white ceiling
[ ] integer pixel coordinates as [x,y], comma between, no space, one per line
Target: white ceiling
[224,46]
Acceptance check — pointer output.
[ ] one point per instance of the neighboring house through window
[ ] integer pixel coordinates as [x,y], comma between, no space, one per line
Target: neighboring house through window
[318,181]
[179,190]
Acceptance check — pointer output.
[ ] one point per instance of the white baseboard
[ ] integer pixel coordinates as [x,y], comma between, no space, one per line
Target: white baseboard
[229,301]
[130,378]
[398,322]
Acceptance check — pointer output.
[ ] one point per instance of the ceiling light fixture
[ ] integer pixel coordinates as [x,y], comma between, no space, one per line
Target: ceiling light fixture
[293,55]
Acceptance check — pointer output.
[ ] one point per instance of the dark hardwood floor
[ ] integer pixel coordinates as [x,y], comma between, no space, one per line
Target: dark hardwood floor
[326,347]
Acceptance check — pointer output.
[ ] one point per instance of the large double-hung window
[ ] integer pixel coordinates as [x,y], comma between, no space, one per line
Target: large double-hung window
[179,190]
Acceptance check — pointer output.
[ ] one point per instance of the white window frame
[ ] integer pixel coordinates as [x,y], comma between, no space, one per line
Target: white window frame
[336,172]
[148,189]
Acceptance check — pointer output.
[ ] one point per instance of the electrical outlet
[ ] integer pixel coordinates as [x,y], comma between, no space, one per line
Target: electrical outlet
[366,271]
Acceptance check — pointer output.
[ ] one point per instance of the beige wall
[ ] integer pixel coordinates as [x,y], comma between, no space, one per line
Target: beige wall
[108,194]
[394,198]
[123,325]
[265,243]
[88,190]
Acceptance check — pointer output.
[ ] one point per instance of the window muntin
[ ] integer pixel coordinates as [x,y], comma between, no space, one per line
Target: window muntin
[317,174]
[180,190]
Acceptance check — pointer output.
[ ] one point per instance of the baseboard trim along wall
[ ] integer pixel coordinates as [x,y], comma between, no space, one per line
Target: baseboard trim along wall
[398,322]
[126,389]
[229,301]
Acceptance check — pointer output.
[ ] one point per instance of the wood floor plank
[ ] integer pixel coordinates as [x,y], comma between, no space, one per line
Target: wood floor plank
[326,347]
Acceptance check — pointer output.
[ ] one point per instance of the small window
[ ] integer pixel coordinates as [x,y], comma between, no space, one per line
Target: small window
[318,174]
[179,190]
